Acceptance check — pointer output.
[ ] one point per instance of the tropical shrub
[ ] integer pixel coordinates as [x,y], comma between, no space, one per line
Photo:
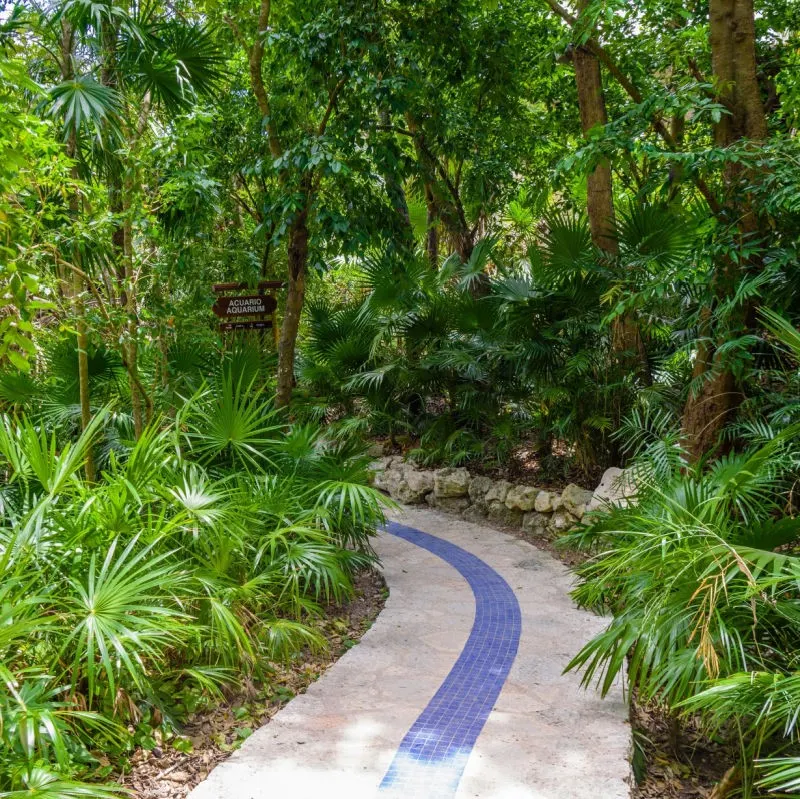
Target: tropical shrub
[198,559]
[700,574]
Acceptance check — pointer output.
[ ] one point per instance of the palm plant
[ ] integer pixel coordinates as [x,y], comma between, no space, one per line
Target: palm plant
[701,576]
[201,555]
[529,355]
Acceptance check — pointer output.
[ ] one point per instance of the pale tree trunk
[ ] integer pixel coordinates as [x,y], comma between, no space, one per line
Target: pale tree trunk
[710,407]
[131,346]
[626,338]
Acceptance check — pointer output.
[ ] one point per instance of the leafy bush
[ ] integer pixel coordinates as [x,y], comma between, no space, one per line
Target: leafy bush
[473,375]
[700,574]
[199,557]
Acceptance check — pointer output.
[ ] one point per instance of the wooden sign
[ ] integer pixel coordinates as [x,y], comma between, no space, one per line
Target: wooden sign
[237,310]
[245,305]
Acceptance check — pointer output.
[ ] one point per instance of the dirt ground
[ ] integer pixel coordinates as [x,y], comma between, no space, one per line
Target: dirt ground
[212,735]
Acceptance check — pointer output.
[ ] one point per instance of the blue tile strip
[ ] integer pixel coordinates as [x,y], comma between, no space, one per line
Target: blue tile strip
[432,756]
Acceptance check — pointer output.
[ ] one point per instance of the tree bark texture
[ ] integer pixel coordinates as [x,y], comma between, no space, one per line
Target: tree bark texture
[599,188]
[733,59]
[295,298]
[626,337]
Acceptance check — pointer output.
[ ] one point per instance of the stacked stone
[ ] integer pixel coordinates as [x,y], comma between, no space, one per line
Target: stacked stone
[538,511]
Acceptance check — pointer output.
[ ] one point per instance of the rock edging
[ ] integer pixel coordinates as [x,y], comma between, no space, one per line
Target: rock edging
[539,512]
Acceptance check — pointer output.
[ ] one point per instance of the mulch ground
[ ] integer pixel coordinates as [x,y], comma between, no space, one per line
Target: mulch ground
[686,768]
[213,734]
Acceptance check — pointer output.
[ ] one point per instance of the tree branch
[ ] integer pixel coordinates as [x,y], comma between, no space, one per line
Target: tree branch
[255,59]
[637,97]
[148,400]
[331,104]
[254,212]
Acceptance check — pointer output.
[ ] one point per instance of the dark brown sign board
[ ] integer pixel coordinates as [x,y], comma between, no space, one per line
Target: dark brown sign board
[247,311]
[245,305]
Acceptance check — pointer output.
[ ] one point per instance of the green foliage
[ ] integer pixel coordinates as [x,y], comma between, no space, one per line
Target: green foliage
[191,565]
[423,168]
[421,353]
[700,574]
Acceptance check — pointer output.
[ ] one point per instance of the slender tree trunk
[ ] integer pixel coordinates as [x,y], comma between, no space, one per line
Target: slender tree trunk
[444,204]
[465,245]
[132,325]
[394,189]
[82,336]
[109,78]
[82,342]
[431,229]
[713,404]
[83,373]
[298,233]
[626,337]
[295,298]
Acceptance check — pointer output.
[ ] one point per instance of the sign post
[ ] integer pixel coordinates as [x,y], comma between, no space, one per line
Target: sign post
[247,311]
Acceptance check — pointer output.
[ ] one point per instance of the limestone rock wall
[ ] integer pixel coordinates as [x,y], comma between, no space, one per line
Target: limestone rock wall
[540,512]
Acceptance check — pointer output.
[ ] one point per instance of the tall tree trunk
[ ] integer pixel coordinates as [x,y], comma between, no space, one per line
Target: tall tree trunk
[81,328]
[298,233]
[394,189]
[82,337]
[109,78]
[83,372]
[711,406]
[131,346]
[626,337]
[120,189]
[295,298]
[599,187]
[444,203]
[431,229]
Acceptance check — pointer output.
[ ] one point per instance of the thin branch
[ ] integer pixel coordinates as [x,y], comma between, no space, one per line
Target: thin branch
[245,207]
[331,104]
[695,70]
[254,212]
[148,400]
[255,58]
[393,129]
[637,97]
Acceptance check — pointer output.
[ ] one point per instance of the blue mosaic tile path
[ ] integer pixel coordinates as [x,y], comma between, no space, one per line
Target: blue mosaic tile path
[431,758]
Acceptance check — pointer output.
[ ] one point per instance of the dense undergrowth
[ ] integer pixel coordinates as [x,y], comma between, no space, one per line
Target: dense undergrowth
[196,559]
[541,231]
[701,575]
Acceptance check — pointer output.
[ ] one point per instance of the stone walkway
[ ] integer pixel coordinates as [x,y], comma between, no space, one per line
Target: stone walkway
[448,695]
